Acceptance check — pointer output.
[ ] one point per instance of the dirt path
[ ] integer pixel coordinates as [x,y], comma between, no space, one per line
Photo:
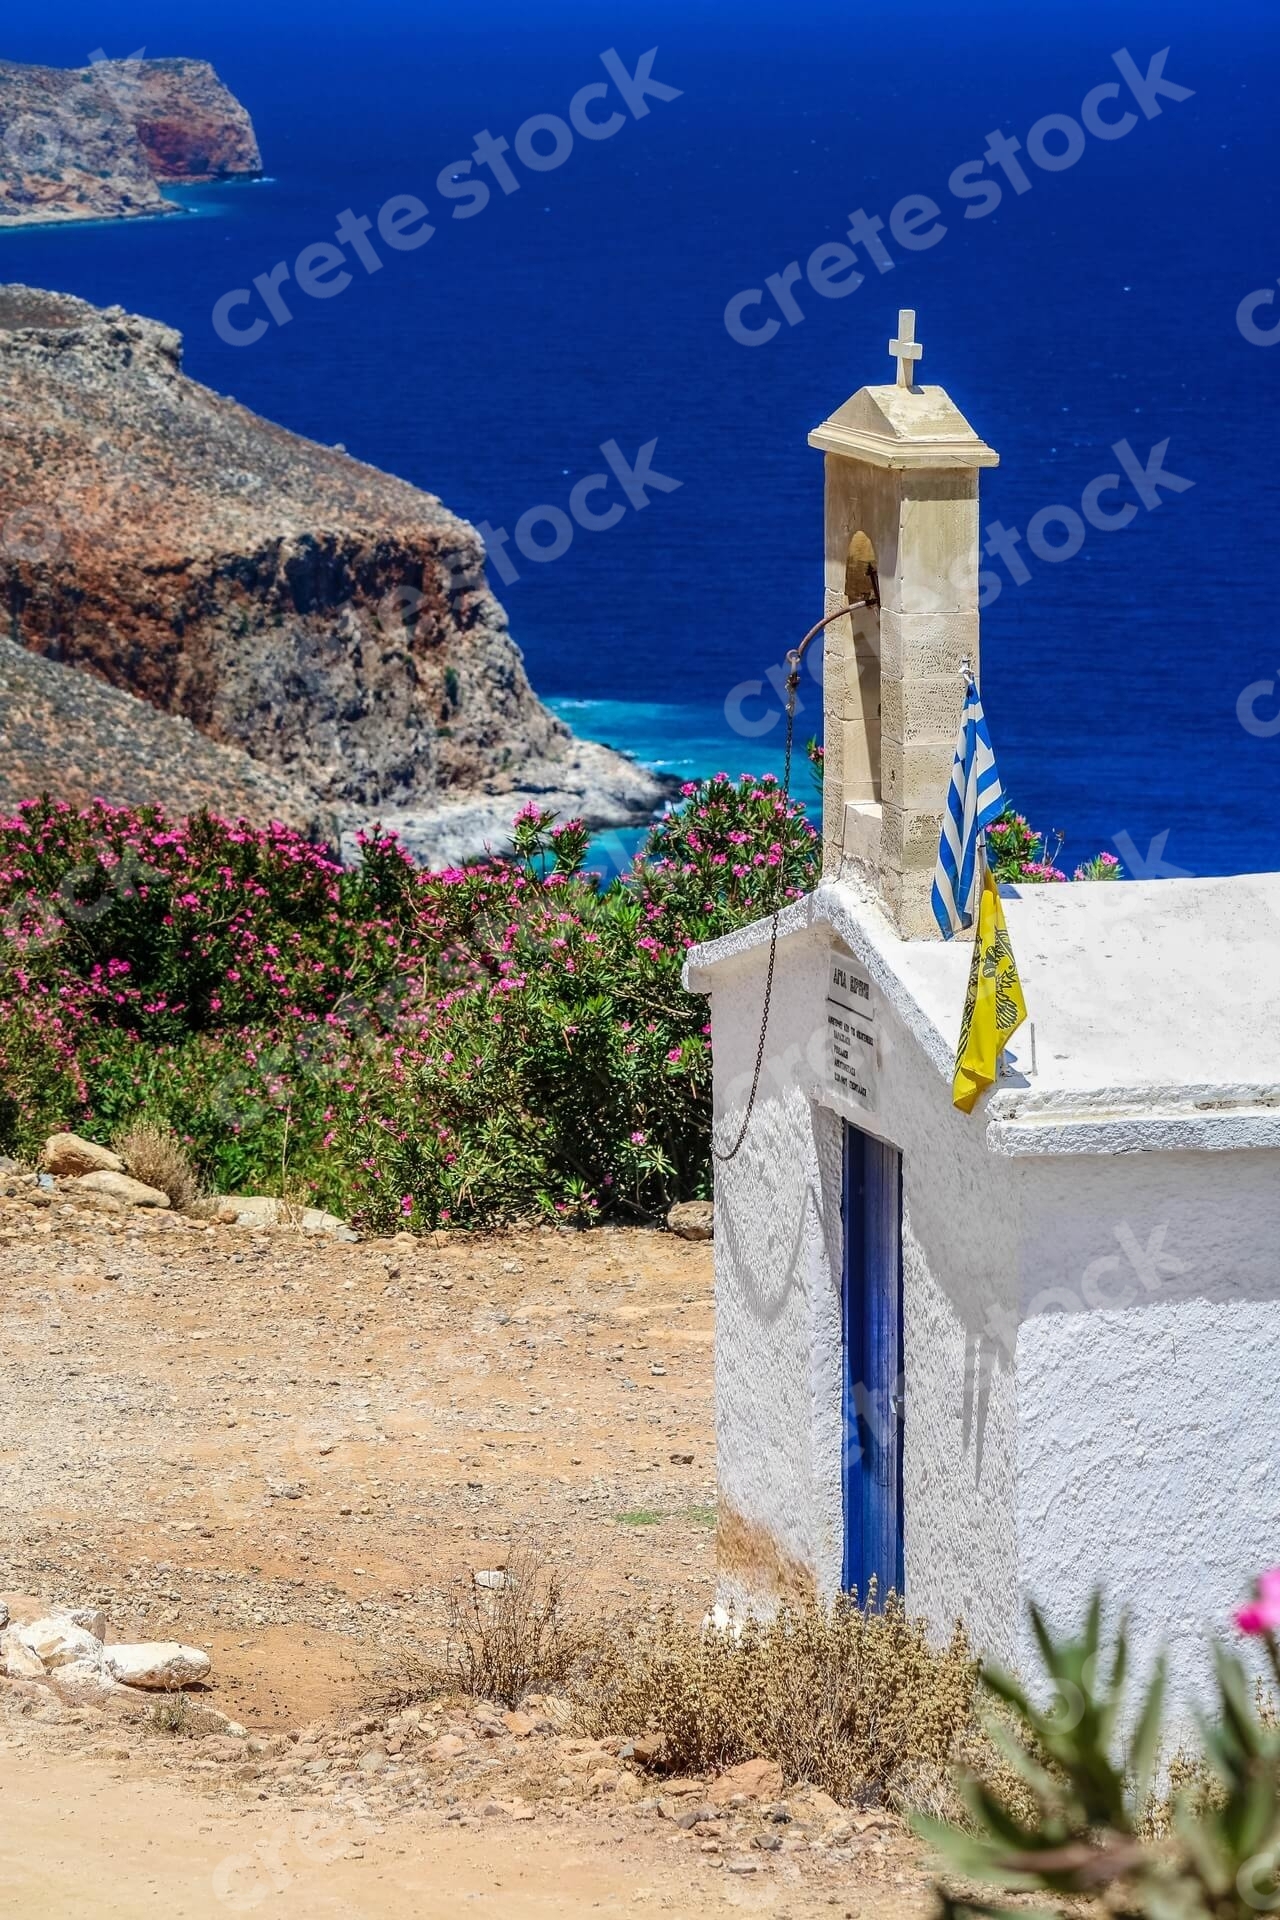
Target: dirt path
[81,1843]
[279,1449]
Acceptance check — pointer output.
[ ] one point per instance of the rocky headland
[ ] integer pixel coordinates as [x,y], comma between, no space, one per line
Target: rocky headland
[92,143]
[308,613]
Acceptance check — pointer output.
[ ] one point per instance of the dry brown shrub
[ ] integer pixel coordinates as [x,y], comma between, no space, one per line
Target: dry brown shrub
[501,1643]
[171,1713]
[1188,1781]
[851,1698]
[155,1155]
[932,1787]
[854,1699]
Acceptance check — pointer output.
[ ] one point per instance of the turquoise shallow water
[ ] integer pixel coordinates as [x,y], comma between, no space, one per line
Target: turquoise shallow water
[690,742]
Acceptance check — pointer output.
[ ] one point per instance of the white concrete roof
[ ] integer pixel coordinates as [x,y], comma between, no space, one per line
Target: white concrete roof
[1155,1004]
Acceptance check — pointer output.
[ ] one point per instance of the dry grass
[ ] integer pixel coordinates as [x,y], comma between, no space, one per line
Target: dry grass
[156,1156]
[1187,1779]
[501,1643]
[170,1713]
[852,1699]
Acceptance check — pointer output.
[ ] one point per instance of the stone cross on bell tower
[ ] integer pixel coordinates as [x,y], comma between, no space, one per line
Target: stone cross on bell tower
[901,516]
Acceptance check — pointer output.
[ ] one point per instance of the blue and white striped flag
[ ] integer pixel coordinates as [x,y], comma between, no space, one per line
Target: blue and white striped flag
[974,799]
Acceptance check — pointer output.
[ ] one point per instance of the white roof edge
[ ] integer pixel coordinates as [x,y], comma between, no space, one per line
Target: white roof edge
[1176,1126]
[1020,1122]
[855,914]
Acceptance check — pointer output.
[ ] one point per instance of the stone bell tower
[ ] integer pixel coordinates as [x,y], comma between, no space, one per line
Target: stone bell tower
[901,527]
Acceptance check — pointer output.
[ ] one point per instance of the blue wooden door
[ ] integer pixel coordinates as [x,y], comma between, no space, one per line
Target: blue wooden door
[873,1363]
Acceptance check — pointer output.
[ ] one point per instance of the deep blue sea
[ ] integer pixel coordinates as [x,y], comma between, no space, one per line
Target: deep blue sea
[586,306]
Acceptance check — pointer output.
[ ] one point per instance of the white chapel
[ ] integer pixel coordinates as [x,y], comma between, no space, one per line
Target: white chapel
[1021,1352]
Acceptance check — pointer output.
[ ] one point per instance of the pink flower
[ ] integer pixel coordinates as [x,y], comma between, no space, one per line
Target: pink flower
[406,1203]
[1262,1613]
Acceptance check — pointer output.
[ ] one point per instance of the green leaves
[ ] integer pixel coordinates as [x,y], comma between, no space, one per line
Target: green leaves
[1087,1785]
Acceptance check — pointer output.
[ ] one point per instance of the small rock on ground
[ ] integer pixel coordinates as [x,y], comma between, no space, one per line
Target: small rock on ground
[121,1186]
[692,1219]
[68,1155]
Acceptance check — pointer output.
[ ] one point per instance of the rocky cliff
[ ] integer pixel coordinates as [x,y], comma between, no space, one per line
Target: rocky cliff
[92,142]
[190,127]
[328,620]
[69,734]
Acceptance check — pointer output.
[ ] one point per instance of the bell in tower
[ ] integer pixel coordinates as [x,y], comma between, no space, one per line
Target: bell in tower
[901,531]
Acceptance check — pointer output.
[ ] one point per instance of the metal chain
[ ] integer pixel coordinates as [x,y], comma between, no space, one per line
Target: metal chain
[794,658]
[793,681]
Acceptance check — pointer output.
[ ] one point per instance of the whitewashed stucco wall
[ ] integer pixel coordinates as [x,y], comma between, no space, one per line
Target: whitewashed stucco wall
[1148,1363]
[777,1253]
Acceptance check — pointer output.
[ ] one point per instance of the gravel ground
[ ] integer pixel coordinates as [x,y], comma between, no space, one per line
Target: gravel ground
[280,1448]
[247,1437]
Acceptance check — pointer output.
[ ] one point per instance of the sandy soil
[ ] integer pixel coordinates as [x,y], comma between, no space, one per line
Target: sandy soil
[86,1841]
[278,1448]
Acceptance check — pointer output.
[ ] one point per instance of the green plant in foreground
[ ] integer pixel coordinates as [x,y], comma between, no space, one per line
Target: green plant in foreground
[1086,1833]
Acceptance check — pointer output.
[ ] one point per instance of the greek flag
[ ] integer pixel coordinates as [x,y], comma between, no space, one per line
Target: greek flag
[974,799]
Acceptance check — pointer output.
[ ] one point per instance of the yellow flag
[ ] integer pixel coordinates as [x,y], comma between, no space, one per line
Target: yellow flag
[994,1008]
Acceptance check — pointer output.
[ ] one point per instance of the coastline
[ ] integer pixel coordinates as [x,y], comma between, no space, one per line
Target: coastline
[206,210]
[49,221]
[112,141]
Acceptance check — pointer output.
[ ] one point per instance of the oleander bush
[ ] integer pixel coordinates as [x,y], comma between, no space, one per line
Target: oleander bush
[406,1048]
[416,1049]
[1020,855]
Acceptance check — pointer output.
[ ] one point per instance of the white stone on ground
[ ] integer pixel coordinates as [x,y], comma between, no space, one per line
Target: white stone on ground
[263,1210]
[17,1661]
[84,1682]
[157,1664]
[92,1619]
[57,1639]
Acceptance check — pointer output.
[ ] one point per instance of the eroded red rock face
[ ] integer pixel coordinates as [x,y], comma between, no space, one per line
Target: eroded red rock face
[179,152]
[189,126]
